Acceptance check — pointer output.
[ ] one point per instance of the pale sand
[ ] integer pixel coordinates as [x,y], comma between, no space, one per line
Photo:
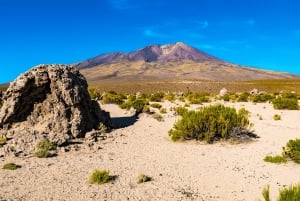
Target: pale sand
[180,171]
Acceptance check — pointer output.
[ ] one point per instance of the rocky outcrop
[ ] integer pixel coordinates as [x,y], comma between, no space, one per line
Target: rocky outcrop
[49,101]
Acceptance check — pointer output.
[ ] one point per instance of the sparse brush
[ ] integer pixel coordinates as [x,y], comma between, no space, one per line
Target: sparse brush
[291,193]
[292,150]
[156,105]
[181,110]
[99,177]
[285,103]
[45,147]
[158,117]
[163,110]
[266,193]
[103,128]
[2,140]
[277,117]
[275,159]
[142,178]
[11,166]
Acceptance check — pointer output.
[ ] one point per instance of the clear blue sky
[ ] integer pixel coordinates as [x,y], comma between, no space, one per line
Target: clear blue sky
[260,33]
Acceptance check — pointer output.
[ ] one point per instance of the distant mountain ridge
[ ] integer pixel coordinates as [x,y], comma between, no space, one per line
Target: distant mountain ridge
[170,61]
[151,53]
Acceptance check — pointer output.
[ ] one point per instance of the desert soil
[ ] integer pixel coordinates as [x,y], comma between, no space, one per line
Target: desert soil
[180,170]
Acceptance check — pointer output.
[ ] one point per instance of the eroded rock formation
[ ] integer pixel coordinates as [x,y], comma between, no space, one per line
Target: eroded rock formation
[49,101]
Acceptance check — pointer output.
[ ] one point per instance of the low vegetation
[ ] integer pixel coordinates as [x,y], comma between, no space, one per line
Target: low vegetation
[142,178]
[45,148]
[94,93]
[156,105]
[11,166]
[158,117]
[100,177]
[181,110]
[2,141]
[290,193]
[275,159]
[289,103]
[112,97]
[292,150]
[277,117]
[209,124]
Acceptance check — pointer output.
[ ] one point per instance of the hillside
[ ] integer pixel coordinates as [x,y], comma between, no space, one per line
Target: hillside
[172,61]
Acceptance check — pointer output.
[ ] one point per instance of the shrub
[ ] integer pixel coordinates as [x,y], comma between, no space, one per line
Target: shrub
[285,103]
[140,105]
[209,123]
[142,178]
[180,110]
[261,98]
[158,117]
[103,128]
[170,97]
[244,112]
[275,159]
[45,147]
[156,105]
[11,166]
[157,97]
[292,150]
[197,98]
[266,193]
[243,97]
[113,97]
[100,177]
[291,193]
[276,117]
[163,110]
[94,93]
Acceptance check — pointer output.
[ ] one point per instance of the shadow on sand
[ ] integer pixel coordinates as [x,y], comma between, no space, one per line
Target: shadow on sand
[122,122]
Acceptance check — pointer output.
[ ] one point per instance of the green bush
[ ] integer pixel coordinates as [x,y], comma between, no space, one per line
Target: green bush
[292,150]
[275,159]
[140,105]
[197,98]
[157,97]
[112,97]
[276,117]
[209,123]
[169,97]
[290,193]
[158,117]
[94,93]
[261,98]
[11,166]
[163,110]
[142,178]
[181,110]
[2,141]
[45,147]
[156,105]
[243,97]
[100,177]
[285,103]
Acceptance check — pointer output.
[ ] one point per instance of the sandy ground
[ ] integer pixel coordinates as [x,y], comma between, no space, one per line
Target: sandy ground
[180,171]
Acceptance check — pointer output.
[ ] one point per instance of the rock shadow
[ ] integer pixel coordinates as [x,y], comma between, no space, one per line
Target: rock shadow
[122,122]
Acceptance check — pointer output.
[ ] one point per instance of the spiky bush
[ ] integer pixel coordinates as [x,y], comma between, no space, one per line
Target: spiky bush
[285,103]
[94,93]
[142,178]
[197,98]
[210,123]
[292,150]
[140,105]
[276,117]
[99,177]
[11,166]
[170,97]
[157,97]
[45,147]
[261,98]
[156,105]
[243,97]
[113,97]
[2,141]
[181,110]
[275,159]
[291,193]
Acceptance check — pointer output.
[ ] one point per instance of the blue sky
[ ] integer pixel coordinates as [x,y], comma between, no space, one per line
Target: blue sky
[258,33]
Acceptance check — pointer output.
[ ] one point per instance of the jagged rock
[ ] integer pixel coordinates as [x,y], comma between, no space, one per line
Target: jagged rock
[49,101]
